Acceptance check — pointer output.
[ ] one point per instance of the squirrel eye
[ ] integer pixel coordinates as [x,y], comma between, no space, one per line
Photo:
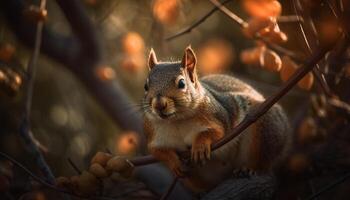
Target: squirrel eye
[181,84]
[146,86]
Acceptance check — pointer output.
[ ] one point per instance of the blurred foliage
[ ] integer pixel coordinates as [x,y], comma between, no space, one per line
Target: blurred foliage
[70,124]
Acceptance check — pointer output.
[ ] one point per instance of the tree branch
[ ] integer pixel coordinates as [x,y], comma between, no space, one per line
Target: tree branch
[74,166]
[170,189]
[25,127]
[330,186]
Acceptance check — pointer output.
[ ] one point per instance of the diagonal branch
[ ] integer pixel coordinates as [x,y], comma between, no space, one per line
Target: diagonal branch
[74,166]
[230,14]
[330,186]
[197,23]
[170,189]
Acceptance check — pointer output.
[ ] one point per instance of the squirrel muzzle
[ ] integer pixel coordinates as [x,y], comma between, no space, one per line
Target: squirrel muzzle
[162,106]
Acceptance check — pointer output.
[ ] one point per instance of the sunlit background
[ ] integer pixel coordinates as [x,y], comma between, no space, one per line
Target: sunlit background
[69,123]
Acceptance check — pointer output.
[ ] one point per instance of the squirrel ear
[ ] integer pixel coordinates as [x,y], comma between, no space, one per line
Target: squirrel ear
[189,62]
[152,59]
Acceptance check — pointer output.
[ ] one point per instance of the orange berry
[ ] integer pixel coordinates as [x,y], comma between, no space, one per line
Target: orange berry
[74,182]
[133,63]
[127,143]
[133,43]
[330,30]
[276,36]
[101,158]
[298,163]
[36,14]
[63,182]
[270,60]
[257,24]
[288,68]
[166,11]
[252,56]
[87,183]
[215,56]
[307,131]
[97,170]
[262,8]
[105,73]
[6,52]
[10,81]
[121,165]
[306,82]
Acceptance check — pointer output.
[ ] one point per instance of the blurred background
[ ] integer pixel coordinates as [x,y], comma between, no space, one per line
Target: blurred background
[69,122]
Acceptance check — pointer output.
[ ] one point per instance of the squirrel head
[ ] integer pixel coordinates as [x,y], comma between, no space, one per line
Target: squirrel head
[172,89]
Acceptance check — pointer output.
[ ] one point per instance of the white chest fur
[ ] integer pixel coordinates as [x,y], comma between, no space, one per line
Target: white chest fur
[177,135]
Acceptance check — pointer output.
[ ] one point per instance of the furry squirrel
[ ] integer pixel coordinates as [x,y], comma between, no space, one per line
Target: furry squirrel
[182,112]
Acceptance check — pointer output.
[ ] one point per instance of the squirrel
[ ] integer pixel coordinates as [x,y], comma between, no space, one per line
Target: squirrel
[183,112]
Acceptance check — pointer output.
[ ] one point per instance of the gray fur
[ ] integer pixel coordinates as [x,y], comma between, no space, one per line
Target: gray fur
[227,100]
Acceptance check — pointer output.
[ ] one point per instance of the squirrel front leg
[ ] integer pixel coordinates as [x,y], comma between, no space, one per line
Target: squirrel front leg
[201,145]
[170,158]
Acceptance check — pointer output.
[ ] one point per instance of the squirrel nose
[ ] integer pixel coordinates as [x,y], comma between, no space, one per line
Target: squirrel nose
[160,103]
[161,106]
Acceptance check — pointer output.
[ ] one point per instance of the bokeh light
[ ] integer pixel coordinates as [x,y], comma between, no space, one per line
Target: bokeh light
[215,56]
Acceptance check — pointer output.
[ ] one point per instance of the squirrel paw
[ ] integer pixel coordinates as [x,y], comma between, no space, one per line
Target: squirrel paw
[200,152]
[176,167]
[244,173]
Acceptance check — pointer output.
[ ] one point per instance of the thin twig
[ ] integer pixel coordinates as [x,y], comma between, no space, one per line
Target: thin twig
[331,8]
[311,44]
[289,19]
[25,129]
[74,166]
[197,23]
[257,36]
[254,115]
[330,186]
[170,189]
[230,14]
[340,5]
